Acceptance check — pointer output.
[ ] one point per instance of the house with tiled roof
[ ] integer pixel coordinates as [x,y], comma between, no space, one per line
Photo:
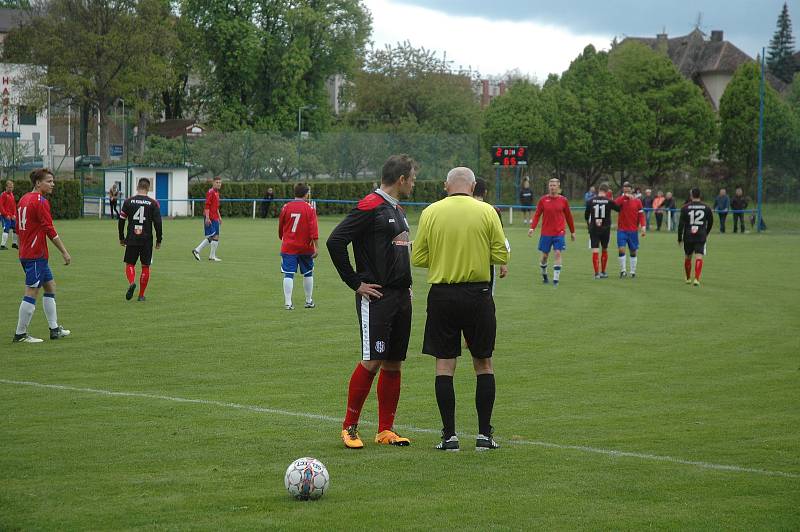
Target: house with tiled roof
[710,63]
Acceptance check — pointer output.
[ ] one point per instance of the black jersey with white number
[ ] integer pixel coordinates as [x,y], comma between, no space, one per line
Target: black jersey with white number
[695,222]
[142,214]
[598,213]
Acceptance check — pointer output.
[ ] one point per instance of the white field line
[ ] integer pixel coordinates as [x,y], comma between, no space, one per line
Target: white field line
[409,428]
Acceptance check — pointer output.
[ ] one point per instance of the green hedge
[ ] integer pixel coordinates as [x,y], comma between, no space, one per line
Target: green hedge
[424,191]
[65,201]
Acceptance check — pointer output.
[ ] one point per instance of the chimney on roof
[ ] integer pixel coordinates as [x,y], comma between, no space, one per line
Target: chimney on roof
[662,44]
[716,36]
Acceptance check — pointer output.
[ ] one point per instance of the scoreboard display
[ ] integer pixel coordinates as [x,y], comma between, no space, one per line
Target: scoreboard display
[509,155]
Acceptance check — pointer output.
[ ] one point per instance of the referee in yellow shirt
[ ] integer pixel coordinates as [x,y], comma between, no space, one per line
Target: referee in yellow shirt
[458,239]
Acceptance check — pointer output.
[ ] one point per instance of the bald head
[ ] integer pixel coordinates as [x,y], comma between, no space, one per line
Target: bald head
[460,180]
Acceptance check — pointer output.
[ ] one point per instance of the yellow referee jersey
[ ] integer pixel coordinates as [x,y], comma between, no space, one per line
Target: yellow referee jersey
[458,238]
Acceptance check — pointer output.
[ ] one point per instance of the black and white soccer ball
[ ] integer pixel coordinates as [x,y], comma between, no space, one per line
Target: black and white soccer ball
[306,479]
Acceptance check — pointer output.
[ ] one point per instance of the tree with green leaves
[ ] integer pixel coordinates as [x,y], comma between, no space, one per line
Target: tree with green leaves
[262,61]
[682,126]
[780,55]
[406,89]
[95,52]
[739,123]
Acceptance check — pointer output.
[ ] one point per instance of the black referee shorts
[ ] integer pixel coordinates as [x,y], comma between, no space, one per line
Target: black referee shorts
[385,324]
[454,309]
[694,247]
[599,238]
[142,253]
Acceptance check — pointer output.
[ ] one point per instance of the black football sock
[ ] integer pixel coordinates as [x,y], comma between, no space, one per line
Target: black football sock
[484,402]
[446,399]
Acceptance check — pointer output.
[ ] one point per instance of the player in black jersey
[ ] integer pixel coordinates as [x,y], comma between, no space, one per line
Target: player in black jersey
[694,225]
[598,219]
[142,213]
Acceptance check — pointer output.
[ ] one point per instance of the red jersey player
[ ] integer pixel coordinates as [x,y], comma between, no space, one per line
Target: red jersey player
[298,231]
[553,209]
[212,220]
[8,215]
[35,225]
[631,218]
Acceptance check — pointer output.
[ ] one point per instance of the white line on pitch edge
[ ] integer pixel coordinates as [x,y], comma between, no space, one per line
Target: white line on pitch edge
[320,417]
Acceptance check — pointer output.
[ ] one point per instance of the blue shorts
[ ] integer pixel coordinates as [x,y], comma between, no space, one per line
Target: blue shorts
[37,272]
[556,242]
[628,238]
[289,264]
[8,224]
[212,229]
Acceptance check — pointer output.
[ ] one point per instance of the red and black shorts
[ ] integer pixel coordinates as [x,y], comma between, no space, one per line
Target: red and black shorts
[385,324]
[143,254]
[456,309]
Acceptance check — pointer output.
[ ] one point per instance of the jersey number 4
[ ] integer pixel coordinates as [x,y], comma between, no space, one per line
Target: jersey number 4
[139,216]
[296,217]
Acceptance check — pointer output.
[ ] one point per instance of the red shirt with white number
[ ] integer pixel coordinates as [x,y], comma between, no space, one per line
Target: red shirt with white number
[34,226]
[297,228]
[212,204]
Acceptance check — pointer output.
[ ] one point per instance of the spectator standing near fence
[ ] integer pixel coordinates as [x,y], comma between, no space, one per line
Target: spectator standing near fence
[212,221]
[722,204]
[458,238]
[647,203]
[739,203]
[658,202]
[526,199]
[669,208]
[592,192]
[555,214]
[266,205]
[113,197]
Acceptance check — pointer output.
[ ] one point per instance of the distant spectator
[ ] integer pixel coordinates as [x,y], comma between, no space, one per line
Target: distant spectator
[722,204]
[266,205]
[669,206]
[739,203]
[526,199]
[658,201]
[647,203]
[113,196]
[592,192]
[637,193]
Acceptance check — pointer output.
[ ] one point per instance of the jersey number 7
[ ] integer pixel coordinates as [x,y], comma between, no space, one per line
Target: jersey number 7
[296,217]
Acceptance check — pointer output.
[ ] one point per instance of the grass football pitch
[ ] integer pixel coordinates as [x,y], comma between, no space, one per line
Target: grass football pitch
[621,404]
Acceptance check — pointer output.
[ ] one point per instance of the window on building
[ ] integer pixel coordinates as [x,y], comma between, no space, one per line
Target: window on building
[27,116]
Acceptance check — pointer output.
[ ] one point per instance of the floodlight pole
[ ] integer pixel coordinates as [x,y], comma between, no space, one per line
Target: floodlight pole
[49,151]
[761,140]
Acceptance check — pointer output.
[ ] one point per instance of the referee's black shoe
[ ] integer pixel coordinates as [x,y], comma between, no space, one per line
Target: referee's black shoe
[485,442]
[448,444]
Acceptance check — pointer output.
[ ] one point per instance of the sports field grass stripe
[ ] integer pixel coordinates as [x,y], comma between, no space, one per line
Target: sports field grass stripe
[409,428]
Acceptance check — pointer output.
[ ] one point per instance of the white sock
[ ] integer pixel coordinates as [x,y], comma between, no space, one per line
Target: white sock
[26,309]
[633,264]
[201,245]
[4,241]
[543,266]
[556,272]
[49,304]
[214,246]
[308,288]
[622,263]
[288,286]
[16,239]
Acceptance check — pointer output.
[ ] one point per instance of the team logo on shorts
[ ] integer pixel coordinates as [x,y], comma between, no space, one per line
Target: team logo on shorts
[380,347]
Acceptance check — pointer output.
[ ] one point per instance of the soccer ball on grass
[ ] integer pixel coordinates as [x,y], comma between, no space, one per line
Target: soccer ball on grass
[306,478]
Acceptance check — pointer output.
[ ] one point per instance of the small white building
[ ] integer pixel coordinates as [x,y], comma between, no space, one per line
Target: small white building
[26,126]
[170,186]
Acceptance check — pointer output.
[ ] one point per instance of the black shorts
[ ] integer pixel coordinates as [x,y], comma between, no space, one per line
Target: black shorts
[694,247]
[454,309]
[385,324]
[143,253]
[599,238]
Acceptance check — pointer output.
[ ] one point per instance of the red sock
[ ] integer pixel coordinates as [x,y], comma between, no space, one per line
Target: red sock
[603,261]
[143,280]
[388,397]
[698,268]
[130,273]
[687,267]
[596,262]
[357,392]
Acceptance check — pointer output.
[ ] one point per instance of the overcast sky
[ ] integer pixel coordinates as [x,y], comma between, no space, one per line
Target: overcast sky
[539,37]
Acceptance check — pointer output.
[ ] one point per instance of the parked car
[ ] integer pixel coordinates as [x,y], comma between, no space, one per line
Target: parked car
[30,162]
[87,160]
